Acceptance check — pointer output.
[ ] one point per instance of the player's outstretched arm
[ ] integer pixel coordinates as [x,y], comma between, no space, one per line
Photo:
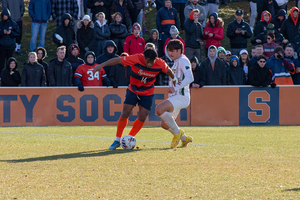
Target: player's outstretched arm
[113,61]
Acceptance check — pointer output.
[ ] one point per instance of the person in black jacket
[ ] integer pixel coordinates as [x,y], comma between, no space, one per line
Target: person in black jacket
[289,27]
[33,74]
[41,54]
[118,32]
[193,35]
[85,35]
[9,30]
[279,19]
[238,32]
[60,70]
[97,6]
[110,51]
[10,76]
[73,58]
[214,68]
[198,73]
[261,25]
[154,38]
[235,74]
[119,74]
[259,75]
[65,31]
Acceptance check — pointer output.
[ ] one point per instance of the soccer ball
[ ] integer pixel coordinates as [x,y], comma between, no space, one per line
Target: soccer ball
[128,142]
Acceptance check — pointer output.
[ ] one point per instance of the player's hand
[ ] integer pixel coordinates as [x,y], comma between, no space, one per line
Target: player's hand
[97,68]
[170,90]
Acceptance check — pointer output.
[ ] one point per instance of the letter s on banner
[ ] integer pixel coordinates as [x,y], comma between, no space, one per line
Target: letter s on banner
[261,110]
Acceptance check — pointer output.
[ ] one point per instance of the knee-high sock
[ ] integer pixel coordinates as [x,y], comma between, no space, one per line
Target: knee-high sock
[122,123]
[136,127]
[169,120]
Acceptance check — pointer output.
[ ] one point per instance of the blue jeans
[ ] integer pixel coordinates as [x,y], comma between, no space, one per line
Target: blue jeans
[35,29]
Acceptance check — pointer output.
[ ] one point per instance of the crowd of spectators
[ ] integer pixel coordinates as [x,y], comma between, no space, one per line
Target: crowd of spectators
[90,32]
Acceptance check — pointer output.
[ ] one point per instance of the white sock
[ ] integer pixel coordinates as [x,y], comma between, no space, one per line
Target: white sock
[169,120]
[118,139]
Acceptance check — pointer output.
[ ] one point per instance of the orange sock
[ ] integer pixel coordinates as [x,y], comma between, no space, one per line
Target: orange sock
[122,123]
[136,127]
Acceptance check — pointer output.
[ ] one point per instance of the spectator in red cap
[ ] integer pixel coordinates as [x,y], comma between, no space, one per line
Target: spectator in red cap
[134,43]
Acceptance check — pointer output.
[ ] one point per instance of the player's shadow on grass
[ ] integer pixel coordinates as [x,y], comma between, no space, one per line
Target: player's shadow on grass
[84,154]
[292,190]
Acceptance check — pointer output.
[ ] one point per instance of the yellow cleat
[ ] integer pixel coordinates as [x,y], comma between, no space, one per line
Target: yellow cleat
[176,139]
[187,141]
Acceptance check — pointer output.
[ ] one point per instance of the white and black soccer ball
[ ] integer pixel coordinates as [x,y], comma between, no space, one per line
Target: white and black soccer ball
[128,142]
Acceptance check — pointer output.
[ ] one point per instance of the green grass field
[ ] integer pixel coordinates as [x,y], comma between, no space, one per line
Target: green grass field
[221,163]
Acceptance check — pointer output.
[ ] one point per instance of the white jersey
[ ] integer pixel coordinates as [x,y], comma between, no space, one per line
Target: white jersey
[182,71]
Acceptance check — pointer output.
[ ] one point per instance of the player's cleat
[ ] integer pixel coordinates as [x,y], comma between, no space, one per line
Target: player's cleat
[187,141]
[114,145]
[176,139]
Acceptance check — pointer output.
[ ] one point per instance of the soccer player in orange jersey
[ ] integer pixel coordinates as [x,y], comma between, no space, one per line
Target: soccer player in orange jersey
[145,67]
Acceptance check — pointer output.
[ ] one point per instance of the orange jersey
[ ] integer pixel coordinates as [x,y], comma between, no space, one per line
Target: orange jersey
[142,78]
[88,76]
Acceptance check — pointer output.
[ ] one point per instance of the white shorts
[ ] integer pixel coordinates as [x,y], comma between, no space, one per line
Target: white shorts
[178,102]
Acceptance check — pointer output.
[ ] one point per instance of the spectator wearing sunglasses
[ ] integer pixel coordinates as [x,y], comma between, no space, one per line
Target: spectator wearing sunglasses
[270,45]
[259,75]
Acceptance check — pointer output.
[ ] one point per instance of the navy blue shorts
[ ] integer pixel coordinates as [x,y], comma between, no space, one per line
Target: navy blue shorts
[133,99]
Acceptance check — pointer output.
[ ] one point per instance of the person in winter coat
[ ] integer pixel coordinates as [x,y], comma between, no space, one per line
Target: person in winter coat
[214,68]
[289,28]
[110,51]
[97,6]
[60,70]
[193,36]
[85,35]
[102,33]
[154,38]
[65,31]
[265,5]
[134,43]
[261,25]
[270,45]
[190,6]
[17,9]
[41,54]
[262,37]
[174,35]
[118,32]
[279,19]
[213,32]
[165,18]
[122,6]
[238,32]
[244,62]
[119,74]
[235,74]
[259,74]
[10,76]
[40,12]
[9,30]
[296,76]
[61,7]
[33,74]
[74,58]
[86,76]
[282,68]
[198,73]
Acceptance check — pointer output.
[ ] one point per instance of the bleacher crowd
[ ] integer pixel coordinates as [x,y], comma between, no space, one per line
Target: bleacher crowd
[90,32]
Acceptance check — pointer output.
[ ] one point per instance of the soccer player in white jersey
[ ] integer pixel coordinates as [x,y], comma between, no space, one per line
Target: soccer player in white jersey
[179,95]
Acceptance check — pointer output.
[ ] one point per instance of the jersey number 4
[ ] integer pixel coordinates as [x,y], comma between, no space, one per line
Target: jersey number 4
[144,79]
[92,76]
